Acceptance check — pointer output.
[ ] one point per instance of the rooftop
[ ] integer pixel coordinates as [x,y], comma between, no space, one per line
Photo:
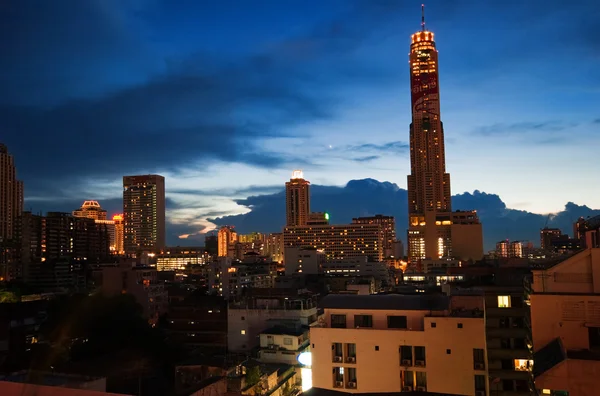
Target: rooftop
[281,330]
[327,392]
[386,302]
[47,378]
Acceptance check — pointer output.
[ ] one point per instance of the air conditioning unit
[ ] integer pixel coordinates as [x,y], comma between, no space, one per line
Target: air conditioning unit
[420,363]
[407,389]
[337,359]
[352,385]
[421,389]
[351,359]
[479,366]
[406,362]
[339,384]
[480,393]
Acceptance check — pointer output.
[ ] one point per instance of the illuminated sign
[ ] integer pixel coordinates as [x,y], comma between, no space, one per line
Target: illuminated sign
[326,216]
[305,359]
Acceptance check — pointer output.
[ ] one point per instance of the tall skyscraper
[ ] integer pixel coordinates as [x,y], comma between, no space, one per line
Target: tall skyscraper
[388,225]
[144,213]
[297,200]
[429,198]
[11,195]
[119,234]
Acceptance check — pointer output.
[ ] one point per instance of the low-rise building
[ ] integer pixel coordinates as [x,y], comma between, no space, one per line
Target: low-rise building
[261,309]
[386,343]
[283,344]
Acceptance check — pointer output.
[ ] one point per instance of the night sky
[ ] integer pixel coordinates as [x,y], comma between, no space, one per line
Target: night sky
[226,98]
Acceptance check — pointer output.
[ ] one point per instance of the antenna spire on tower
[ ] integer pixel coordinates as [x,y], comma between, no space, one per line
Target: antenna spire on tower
[423,17]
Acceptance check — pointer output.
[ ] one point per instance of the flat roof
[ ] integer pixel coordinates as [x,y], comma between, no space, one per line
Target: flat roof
[399,302]
[327,392]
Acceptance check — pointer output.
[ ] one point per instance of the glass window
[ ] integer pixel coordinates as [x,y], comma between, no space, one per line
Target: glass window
[397,322]
[287,341]
[420,356]
[478,358]
[503,301]
[406,355]
[363,321]
[337,351]
[408,378]
[338,321]
[594,337]
[421,379]
[480,383]
[351,350]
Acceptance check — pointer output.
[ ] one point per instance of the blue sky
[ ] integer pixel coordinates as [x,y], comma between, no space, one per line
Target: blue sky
[226,98]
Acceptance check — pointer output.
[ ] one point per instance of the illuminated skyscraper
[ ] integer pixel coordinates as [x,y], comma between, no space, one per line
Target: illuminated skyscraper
[429,199]
[119,228]
[297,200]
[227,238]
[144,213]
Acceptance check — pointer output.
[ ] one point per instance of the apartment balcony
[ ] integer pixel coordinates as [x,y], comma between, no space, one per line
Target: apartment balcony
[503,312]
[507,374]
[502,354]
[506,332]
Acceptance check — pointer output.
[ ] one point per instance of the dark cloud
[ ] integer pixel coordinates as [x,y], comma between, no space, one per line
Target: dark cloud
[548,126]
[395,147]
[369,197]
[368,158]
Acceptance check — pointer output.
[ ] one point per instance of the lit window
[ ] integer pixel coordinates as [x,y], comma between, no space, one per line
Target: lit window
[546,391]
[243,332]
[503,301]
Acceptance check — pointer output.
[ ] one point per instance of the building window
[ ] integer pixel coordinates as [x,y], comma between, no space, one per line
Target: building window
[480,383]
[505,343]
[421,381]
[363,321]
[478,359]
[594,337]
[448,351]
[503,301]
[376,347]
[351,378]
[338,321]
[433,324]
[243,332]
[397,322]
[338,377]
[337,354]
[351,353]
[287,341]
[408,380]
[406,355]
[522,364]
[420,356]
[459,325]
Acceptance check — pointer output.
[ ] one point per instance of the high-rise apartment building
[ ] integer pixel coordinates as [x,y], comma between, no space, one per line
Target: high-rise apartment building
[11,195]
[388,226]
[547,236]
[119,247]
[297,200]
[144,213]
[91,210]
[227,238]
[431,232]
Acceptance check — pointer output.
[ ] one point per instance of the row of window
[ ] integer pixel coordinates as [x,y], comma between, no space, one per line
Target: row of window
[366,321]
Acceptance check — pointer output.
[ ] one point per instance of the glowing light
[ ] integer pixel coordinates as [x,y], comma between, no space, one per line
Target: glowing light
[326,216]
[118,217]
[305,359]
[298,174]
[306,375]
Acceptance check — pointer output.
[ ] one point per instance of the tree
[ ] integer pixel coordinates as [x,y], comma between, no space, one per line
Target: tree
[253,375]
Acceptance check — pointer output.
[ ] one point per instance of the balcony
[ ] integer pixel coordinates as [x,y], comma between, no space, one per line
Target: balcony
[501,353]
[507,374]
[502,312]
[506,332]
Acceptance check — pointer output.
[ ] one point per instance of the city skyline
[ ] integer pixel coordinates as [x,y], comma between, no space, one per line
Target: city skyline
[352,51]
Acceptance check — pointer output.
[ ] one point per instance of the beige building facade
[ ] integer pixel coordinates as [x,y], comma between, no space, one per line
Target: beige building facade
[387,343]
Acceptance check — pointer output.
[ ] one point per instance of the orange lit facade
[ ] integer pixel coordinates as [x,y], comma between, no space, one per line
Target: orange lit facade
[430,232]
[91,210]
[565,325]
[119,247]
[227,238]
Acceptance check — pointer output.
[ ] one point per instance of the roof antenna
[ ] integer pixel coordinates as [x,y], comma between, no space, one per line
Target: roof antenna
[423,17]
